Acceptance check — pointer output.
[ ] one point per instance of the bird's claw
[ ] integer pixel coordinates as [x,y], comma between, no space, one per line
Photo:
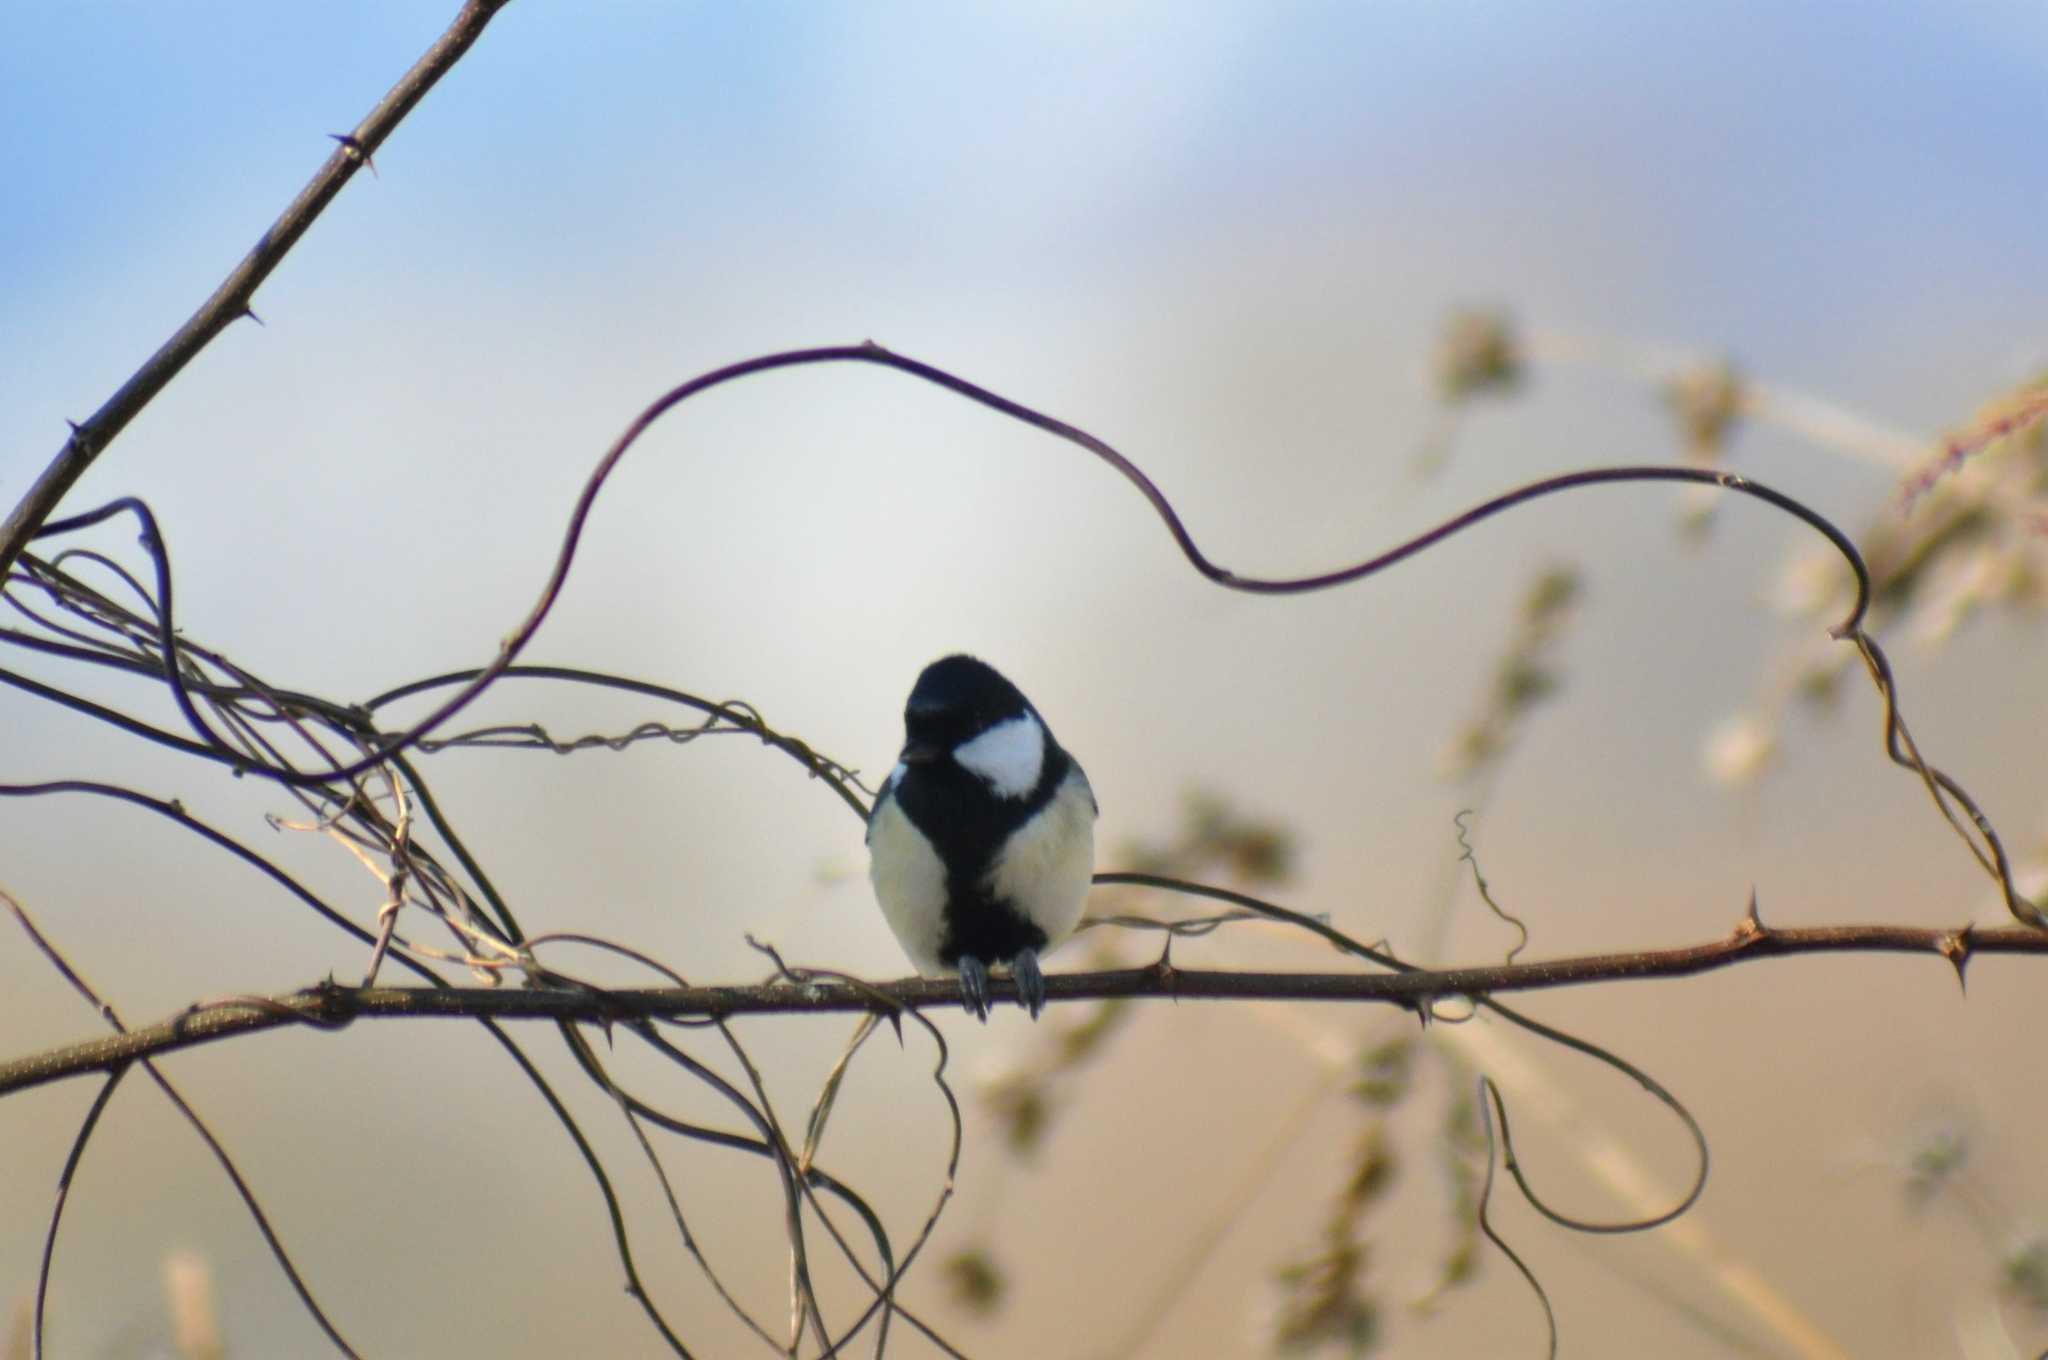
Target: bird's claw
[1024,968]
[974,987]
[1030,981]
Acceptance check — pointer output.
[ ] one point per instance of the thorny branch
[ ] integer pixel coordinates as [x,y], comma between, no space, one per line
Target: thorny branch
[332,1007]
[230,302]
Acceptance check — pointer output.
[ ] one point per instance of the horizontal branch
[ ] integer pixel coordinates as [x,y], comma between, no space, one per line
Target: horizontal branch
[331,1007]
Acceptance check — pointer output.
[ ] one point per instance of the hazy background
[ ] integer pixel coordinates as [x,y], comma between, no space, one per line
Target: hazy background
[1223,237]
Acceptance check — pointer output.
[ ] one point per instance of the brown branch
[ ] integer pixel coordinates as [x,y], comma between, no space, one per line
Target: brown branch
[230,301]
[332,1007]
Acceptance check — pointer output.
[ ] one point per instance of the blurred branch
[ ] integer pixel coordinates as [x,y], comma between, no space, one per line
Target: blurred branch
[331,1007]
[230,301]
[1674,370]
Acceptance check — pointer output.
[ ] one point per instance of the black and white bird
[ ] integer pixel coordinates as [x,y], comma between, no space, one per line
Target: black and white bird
[981,843]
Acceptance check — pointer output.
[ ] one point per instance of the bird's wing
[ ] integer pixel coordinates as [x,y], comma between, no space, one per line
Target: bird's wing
[882,795]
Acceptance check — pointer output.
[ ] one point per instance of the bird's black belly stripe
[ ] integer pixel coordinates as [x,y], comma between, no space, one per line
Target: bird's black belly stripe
[982,926]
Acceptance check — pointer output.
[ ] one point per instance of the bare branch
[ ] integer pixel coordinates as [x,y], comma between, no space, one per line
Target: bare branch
[333,1007]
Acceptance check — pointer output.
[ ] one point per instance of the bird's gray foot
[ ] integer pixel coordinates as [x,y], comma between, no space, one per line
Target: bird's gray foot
[974,987]
[1030,982]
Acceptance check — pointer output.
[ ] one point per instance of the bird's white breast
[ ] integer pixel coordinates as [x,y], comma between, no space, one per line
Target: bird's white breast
[1045,867]
[910,885]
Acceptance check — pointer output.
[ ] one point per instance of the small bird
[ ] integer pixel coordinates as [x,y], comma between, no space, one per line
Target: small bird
[981,842]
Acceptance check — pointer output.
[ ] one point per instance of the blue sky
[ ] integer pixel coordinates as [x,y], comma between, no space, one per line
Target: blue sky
[1800,164]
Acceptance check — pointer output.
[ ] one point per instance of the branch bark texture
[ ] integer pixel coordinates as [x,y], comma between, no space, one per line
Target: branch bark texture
[332,1007]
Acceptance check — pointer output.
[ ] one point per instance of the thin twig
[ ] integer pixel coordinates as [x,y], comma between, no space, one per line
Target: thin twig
[1488,1091]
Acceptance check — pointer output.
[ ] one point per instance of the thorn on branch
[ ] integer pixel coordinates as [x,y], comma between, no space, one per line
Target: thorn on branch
[1162,968]
[250,312]
[1955,947]
[80,441]
[1751,926]
[334,1012]
[354,147]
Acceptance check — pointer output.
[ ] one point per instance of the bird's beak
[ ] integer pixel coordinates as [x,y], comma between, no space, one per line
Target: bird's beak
[920,753]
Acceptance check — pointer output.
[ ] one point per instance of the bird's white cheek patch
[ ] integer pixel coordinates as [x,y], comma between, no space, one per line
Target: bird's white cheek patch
[1008,757]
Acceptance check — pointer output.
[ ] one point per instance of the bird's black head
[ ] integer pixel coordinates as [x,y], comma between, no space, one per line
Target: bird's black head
[955,699]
